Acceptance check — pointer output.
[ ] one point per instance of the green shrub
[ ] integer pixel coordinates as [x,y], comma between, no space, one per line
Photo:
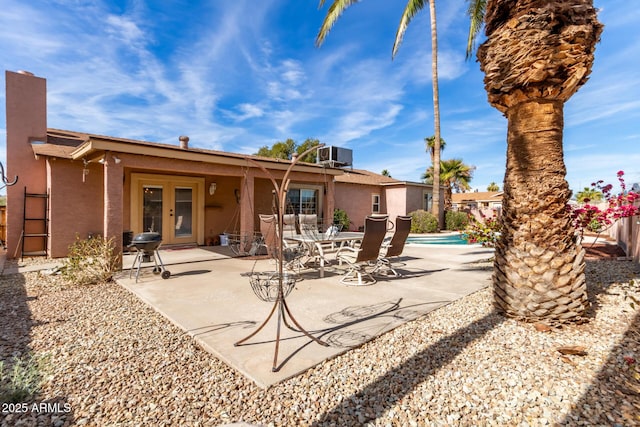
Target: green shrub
[23,381]
[90,261]
[341,217]
[456,221]
[423,222]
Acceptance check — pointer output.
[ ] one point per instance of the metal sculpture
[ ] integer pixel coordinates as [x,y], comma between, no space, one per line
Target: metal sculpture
[275,287]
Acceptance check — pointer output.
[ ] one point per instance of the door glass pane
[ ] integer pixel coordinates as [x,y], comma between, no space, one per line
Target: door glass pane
[183,210]
[152,209]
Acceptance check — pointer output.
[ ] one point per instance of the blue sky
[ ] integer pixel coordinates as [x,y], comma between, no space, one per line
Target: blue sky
[236,75]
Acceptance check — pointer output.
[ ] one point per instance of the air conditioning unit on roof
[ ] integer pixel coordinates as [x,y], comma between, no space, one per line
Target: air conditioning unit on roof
[335,156]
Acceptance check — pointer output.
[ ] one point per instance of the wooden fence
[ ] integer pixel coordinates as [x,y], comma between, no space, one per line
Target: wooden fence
[626,231]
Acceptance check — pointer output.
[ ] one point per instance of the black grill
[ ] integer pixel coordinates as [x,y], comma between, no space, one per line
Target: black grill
[146,246]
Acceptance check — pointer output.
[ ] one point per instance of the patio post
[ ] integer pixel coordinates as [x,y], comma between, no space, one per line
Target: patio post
[247,198]
[113,204]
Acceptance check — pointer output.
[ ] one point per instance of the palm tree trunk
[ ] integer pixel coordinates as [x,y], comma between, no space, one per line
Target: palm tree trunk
[435,209]
[538,53]
[539,265]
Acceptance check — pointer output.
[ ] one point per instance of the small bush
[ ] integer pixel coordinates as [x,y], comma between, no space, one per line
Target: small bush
[23,381]
[341,217]
[423,222]
[456,221]
[90,261]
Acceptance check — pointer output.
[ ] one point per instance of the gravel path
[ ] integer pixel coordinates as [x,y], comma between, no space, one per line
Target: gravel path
[114,361]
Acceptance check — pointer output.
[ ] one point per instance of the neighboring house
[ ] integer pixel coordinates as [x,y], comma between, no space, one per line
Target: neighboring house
[481,200]
[80,184]
[360,193]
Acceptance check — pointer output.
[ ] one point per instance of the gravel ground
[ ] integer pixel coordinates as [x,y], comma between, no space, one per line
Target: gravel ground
[114,361]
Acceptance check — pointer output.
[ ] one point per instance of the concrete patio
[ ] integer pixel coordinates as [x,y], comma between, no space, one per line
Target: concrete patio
[209,297]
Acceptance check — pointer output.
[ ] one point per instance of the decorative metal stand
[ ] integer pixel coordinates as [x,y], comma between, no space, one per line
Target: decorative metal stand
[276,286]
[4,178]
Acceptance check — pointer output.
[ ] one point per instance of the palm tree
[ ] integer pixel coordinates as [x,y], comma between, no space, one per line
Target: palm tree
[536,56]
[493,187]
[410,11]
[430,142]
[588,195]
[454,175]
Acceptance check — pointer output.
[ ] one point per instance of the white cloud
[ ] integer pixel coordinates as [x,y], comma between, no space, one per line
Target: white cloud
[123,28]
[248,111]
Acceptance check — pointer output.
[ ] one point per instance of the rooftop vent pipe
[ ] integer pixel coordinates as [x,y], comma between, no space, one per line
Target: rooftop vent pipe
[184,142]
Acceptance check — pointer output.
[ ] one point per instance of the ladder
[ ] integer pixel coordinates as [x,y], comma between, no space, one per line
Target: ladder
[35,224]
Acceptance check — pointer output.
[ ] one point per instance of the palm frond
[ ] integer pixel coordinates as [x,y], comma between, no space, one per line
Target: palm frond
[335,10]
[412,8]
[476,13]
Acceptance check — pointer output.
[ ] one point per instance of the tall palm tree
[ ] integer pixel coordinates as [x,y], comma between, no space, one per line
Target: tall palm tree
[454,175]
[410,11]
[536,56]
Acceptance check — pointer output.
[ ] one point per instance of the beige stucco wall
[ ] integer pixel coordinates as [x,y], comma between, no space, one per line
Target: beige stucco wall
[396,200]
[355,200]
[221,207]
[75,206]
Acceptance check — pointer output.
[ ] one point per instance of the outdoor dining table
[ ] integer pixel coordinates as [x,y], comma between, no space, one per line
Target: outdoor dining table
[318,243]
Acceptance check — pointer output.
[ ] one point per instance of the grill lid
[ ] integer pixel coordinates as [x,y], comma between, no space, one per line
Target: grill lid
[147,238]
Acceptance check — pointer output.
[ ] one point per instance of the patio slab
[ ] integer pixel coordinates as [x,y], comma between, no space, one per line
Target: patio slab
[209,297]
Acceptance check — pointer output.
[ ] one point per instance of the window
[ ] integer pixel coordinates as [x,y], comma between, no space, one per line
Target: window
[302,201]
[375,203]
[428,202]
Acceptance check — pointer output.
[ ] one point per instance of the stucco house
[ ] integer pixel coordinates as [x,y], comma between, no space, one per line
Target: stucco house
[477,200]
[80,184]
[361,193]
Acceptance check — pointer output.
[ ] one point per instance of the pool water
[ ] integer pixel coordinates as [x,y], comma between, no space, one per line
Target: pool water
[447,239]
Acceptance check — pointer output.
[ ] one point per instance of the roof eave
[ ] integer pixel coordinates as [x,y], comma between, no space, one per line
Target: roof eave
[96,146]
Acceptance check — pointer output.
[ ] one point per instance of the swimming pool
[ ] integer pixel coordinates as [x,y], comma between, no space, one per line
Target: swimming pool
[446,239]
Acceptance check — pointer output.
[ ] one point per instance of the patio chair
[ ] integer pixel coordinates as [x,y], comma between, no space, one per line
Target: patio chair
[392,248]
[364,256]
[289,228]
[308,222]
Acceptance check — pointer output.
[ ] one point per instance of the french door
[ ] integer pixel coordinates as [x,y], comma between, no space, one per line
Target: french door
[169,205]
